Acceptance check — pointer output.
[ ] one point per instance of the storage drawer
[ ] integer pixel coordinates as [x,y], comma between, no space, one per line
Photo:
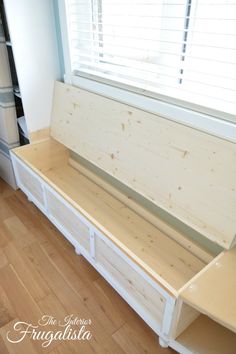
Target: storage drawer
[69,220]
[29,182]
[130,281]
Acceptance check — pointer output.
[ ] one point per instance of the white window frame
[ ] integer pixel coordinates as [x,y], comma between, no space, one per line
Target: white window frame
[207,122]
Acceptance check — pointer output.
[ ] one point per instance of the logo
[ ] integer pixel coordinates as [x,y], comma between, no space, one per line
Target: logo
[71,328]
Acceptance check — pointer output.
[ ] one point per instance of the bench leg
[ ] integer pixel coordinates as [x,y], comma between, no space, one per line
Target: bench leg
[77,251]
[163,343]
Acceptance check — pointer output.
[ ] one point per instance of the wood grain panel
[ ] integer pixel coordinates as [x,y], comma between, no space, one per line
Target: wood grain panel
[30,183]
[68,220]
[130,281]
[205,336]
[190,174]
[153,250]
[213,292]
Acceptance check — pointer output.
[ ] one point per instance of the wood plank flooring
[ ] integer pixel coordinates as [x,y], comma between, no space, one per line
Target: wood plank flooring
[41,274]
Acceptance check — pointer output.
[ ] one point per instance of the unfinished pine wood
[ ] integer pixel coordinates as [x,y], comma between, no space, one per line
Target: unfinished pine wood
[68,283]
[39,135]
[68,220]
[205,336]
[54,154]
[148,298]
[32,184]
[159,255]
[214,291]
[167,229]
[184,316]
[188,173]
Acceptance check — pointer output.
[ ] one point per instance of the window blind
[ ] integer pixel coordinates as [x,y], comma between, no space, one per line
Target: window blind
[181,49]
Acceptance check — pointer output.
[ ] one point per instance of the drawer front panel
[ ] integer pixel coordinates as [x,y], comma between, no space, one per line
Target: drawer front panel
[68,220]
[151,301]
[27,180]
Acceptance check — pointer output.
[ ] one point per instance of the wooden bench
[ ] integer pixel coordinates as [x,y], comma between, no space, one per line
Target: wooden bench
[184,294]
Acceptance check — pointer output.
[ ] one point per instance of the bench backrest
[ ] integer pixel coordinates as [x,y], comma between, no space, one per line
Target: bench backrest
[188,173]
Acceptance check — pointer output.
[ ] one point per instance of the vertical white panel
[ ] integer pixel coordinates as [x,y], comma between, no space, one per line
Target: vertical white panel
[8,126]
[33,35]
[5,78]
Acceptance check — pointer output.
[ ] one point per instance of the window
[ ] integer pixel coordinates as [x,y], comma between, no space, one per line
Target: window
[181,51]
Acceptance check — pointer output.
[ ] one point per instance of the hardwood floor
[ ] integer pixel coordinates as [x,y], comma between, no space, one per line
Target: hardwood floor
[41,274]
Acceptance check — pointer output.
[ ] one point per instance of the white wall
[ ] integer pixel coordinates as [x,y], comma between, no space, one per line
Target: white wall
[33,35]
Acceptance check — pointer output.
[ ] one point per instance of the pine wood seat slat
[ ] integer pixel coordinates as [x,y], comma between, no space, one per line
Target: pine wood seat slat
[148,246]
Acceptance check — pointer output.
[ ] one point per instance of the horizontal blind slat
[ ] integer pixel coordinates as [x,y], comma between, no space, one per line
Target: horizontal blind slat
[176,54]
[127,3]
[131,15]
[157,69]
[169,47]
[153,40]
[137,74]
[148,27]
